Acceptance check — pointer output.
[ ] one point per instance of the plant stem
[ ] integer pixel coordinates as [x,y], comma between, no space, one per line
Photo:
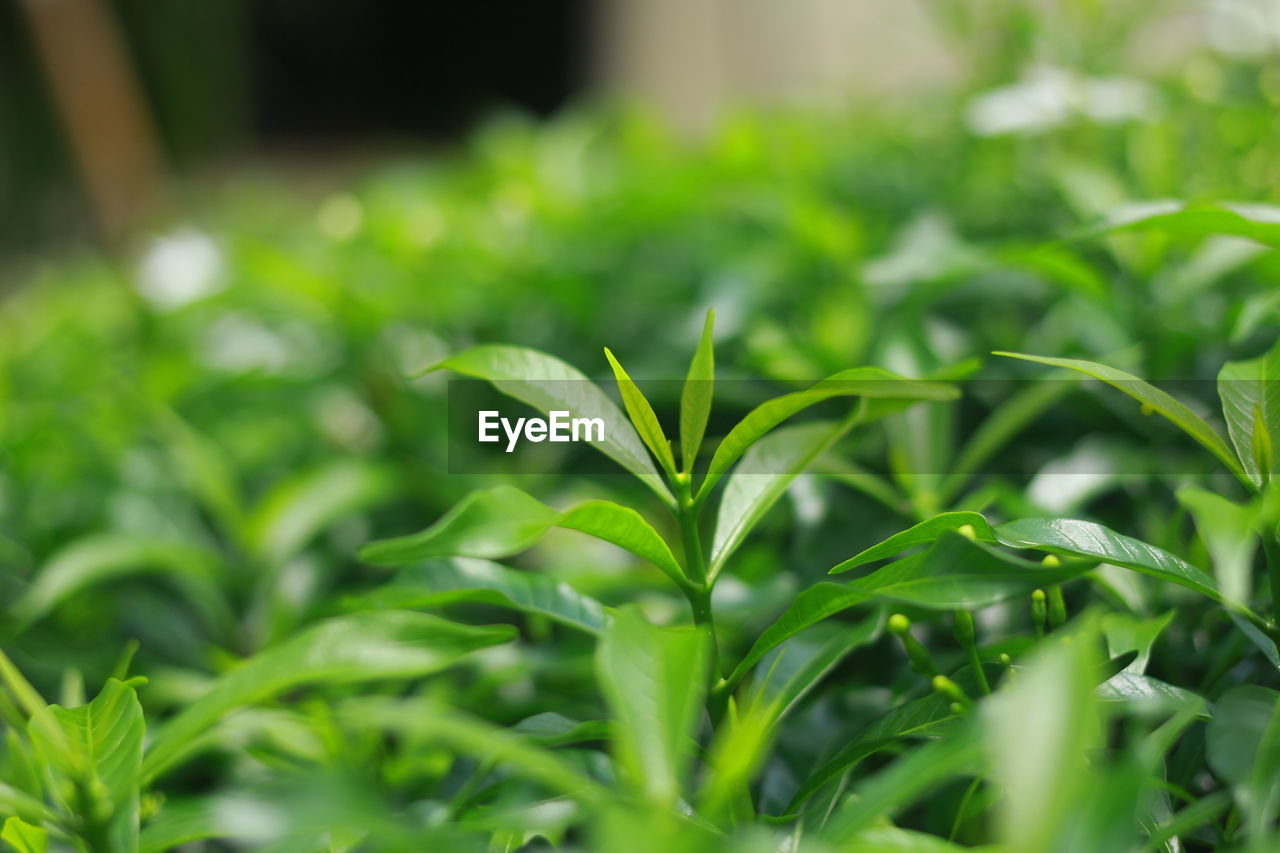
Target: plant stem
[695,566]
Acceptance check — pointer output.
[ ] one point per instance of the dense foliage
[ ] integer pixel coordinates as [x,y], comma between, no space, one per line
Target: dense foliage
[1051,625]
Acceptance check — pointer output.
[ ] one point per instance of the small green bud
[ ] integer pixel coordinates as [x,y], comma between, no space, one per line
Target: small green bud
[917,655]
[1147,409]
[1039,611]
[967,531]
[899,624]
[1051,561]
[965,632]
[951,690]
[1005,660]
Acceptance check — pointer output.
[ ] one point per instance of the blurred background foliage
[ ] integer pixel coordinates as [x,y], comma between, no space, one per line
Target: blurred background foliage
[205,414]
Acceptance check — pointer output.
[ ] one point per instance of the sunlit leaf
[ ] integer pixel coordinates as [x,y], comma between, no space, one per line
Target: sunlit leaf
[695,397]
[653,679]
[1250,394]
[444,581]
[867,382]
[1148,395]
[502,521]
[547,384]
[642,416]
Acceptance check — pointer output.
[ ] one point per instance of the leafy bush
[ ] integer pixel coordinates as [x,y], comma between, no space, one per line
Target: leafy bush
[1060,629]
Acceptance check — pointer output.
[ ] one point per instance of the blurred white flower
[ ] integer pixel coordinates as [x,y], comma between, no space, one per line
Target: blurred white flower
[1048,97]
[180,268]
[1243,28]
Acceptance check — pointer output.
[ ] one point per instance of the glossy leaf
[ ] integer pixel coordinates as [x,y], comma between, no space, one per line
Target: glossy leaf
[445,581]
[1074,538]
[653,679]
[761,478]
[347,649]
[867,382]
[919,534]
[1146,693]
[547,383]
[502,521]
[956,573]
[1148,395]
[1124,633]
[1250,394]
[696,396]
[642,416]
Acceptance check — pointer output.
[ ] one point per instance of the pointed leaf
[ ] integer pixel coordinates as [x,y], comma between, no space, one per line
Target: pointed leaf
[108,557]
[23,837]
[1074,538]
[344,650]
[695,398]
[1227,530]
[653,679]
[920,534]
[1174,411]
[547,383]
[867,382]
[444,581]
[642,416]
[762,477]
[101,745]
[1250,394]
[955,573]
[928,716]
[499,522]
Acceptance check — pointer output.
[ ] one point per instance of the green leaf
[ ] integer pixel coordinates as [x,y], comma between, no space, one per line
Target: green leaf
[1074,538]
[354,648]
[552,729]
[956,573]
[23,837]
[439,582]
[642,416]
[928,716]
[1240,721]
[1227,529]
[695,397]
[1144,692]
[502,521]
[920,534]
[1040,730]
[1250,394]
[867,382]
[100,745]
[1125,632]
[1257,222]
[762,477]
[108,557]
[904,781]
[1148,395]
[300,507]
[547,383]
[892,839]
[653,679]
[798,665]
